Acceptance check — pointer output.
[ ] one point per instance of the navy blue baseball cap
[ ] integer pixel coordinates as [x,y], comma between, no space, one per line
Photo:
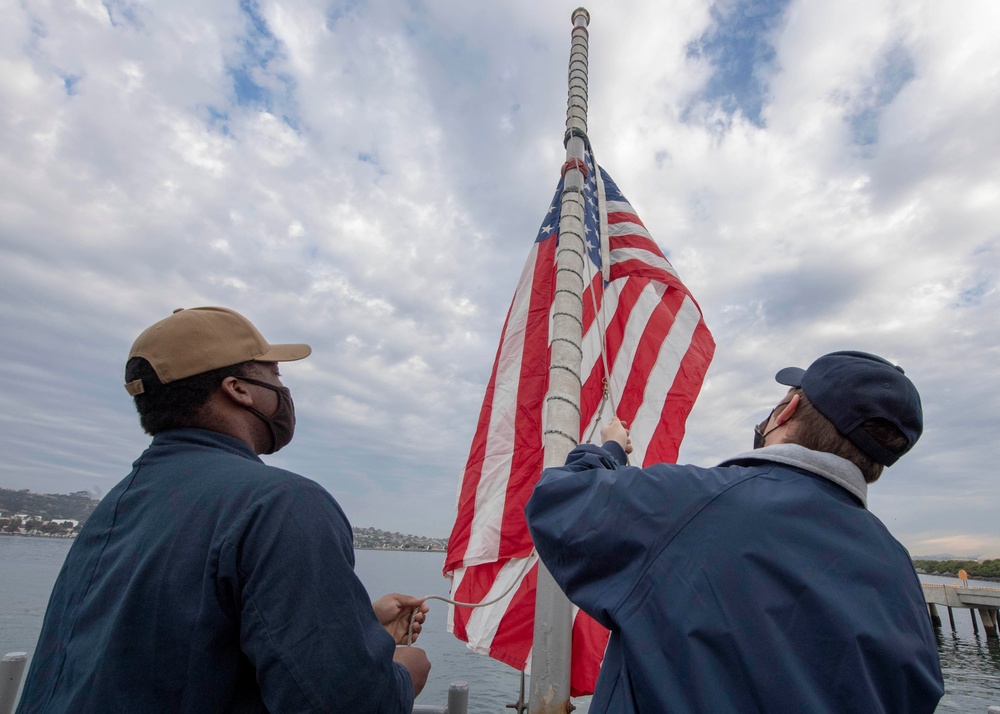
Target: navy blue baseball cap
[851,387]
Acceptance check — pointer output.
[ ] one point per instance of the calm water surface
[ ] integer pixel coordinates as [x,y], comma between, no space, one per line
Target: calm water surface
[28,568]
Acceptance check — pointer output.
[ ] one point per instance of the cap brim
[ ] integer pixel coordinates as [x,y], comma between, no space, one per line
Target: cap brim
[284,353]
[790,376]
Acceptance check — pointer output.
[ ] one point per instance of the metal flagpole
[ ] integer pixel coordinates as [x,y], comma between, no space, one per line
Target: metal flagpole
[552,644]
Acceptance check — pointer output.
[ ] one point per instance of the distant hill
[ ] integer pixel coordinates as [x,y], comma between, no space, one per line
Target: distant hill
[374,539]
[79,505]
[49,506]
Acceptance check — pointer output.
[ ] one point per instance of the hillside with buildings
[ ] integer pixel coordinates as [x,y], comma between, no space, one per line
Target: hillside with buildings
[374,539]
[52,514]
[44,514]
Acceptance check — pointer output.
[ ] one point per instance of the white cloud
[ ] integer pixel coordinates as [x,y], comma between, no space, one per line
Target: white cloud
[376,190]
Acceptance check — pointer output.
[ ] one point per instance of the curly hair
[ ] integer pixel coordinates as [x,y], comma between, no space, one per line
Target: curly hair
[814,431]
[176,404]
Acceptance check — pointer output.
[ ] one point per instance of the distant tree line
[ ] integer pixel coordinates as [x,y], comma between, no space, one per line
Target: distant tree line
[986,570]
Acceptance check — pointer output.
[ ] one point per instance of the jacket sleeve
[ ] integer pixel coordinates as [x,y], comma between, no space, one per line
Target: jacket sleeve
[306,621]
[593,525]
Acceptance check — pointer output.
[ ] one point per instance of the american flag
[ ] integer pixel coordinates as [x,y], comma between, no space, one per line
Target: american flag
[657,349]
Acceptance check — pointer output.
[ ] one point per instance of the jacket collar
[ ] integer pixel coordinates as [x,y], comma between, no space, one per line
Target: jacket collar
[205,438]
[830,466]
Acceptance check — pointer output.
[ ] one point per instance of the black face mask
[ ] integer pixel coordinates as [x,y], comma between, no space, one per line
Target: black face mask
[758,431]
[281,424]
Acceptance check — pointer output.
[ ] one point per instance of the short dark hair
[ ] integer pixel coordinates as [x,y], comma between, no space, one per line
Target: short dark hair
[814,431]
[177,404]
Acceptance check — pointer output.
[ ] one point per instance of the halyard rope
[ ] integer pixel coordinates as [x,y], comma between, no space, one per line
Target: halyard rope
[501,596]
[599,311]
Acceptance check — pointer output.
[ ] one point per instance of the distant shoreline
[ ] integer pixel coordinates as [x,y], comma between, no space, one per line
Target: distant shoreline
[984,578]
[71,537]
[405,550]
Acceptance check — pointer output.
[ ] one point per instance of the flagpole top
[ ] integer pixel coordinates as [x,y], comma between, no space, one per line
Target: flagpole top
[581,18]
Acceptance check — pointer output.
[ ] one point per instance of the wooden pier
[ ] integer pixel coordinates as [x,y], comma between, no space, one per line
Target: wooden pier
[985,600]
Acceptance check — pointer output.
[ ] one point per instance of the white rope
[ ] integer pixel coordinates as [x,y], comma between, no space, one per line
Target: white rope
[456,603]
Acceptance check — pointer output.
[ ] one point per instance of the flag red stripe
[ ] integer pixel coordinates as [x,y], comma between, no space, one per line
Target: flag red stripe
[638,269]
[512,643]
[589,642]
[616,217]
[646,353]
[533,384]
[666,441]
[635,241]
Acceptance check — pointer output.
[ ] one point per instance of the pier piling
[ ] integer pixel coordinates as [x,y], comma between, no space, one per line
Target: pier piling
[11,670]
[989,623]
[458,701]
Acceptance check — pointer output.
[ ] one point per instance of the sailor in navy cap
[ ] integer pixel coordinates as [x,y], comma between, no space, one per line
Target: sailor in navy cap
[763,584]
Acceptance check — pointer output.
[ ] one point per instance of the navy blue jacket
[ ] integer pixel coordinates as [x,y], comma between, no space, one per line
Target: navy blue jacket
[207,581]
[752,587]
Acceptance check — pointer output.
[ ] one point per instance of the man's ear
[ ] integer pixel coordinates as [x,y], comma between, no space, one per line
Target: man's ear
[788,411]
[236,391]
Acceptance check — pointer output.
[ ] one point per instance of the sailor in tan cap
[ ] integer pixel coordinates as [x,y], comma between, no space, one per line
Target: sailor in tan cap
[207,580]
[215,353]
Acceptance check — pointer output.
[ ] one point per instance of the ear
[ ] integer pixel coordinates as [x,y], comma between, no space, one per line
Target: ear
[236,391]
[788,412]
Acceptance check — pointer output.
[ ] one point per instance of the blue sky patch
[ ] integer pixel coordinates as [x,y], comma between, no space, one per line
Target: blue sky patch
[894,71]
[984,275]
[255,82]
[121,13]
[739,47]
[218,120]
[248,92]
[69,82]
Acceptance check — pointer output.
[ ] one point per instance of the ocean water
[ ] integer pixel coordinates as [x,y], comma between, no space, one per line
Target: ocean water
[29,566]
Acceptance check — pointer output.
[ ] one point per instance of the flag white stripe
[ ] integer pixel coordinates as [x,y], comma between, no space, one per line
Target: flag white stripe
[621,207]
[628,229]
[457,576]
[491,492]
[620,255]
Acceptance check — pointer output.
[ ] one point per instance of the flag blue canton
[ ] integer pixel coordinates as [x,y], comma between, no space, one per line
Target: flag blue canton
[592,221]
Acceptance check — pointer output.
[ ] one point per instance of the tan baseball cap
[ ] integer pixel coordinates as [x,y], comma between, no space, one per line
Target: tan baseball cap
[201,339]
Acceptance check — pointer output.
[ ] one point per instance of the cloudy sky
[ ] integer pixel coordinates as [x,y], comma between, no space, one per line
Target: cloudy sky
[367,176]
